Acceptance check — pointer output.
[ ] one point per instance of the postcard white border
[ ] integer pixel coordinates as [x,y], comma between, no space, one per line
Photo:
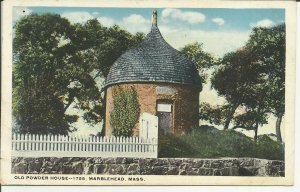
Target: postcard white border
[6,101]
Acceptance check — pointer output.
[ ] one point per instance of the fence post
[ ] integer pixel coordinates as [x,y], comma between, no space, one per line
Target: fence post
[100,147]
[13,142]
[48,142]
[34,142]
[24,143]
[59,142]
[29,142]
[92,143]
[155,146]
[18,142]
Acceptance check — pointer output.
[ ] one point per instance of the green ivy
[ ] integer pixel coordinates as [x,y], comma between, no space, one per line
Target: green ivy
[125,112]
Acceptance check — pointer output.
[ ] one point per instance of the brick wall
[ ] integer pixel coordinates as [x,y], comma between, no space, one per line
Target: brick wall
[185,104]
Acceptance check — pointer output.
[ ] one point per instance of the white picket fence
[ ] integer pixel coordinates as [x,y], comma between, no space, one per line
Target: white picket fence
[27,145]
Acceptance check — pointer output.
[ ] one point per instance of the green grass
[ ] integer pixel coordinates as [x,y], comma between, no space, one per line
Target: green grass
[207,142]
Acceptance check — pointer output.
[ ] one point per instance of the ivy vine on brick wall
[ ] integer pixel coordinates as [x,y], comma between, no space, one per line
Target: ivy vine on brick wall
[125,112]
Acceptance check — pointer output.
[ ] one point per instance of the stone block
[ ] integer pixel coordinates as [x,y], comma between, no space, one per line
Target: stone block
[28,159]
[57,168]
[230,171]
[183,166]
[217,164]
[69,159]
[217,172]
[77,168]
[127,160]
[261,171]
[192,171]
[281,173]
[205,171]
[260,162]
[116,169]
[206,163]
[20,168]
[16,160]
[231,163]
[277,163]
[74,159]
[248,171]
[90,160]
[67,169]
[272,170]
[161,162]
[133,169]
[175,162]
[158,170]
[146,162]
[182,172]
[100,169]
[144,170]
[109,160]
[119,160]
[46,170]
[197,163]
[88,169]
[98,160]
[246,162]
[173,170]
[34,167]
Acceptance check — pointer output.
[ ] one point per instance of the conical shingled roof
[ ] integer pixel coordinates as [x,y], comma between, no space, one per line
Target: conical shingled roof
[154,60]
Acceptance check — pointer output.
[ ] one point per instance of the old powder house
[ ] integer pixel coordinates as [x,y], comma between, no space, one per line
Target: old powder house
[167,86]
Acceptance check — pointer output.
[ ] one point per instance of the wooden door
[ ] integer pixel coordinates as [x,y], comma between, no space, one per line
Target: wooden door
[164,113]
[164,122]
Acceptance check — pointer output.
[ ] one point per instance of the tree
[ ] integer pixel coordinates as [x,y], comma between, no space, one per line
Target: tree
[213,114]
[39,58]
[269,45]
[237,79]
[96,49]
[254,76]
[99,47]
[251,120]
[202,59]
[59,66]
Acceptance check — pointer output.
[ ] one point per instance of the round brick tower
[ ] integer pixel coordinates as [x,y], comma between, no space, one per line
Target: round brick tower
[166,82]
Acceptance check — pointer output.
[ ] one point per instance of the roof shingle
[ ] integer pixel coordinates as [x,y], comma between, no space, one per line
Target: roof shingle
[154,60]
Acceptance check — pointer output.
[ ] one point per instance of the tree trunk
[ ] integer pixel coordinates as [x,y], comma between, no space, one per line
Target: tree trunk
[230,116]
[255,132]
[278,131]
[227,122]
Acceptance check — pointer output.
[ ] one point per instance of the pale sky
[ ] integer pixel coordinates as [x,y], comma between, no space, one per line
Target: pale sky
[220,30]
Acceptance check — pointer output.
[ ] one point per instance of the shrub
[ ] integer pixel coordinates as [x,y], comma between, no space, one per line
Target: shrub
[265,146]
[125,112]
[209,142]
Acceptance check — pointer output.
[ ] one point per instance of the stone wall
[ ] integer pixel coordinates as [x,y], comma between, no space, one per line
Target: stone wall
[185,103]
[161,166]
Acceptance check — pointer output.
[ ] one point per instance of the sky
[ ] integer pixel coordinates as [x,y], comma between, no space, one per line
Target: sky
[221,30]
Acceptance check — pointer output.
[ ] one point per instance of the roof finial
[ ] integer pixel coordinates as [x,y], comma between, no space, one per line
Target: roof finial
[154,18]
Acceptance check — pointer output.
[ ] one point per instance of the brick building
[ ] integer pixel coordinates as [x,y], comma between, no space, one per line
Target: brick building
[166,82]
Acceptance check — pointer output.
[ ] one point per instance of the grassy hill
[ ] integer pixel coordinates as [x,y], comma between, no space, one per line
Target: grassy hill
[209,142]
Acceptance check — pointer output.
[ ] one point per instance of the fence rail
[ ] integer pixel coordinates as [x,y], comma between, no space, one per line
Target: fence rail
[32,145]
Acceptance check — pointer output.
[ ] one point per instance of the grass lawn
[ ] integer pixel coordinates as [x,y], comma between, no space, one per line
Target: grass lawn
[208,142]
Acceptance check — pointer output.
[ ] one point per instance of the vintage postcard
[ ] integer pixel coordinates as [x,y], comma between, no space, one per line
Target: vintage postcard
[136,93]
